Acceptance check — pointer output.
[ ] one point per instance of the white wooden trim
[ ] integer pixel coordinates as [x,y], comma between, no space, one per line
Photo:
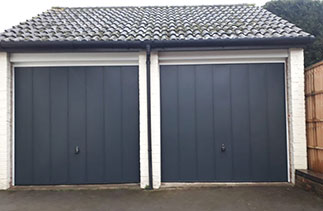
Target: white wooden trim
[223,57]
[81,63]
[222,61]
[74,59]
[90,59]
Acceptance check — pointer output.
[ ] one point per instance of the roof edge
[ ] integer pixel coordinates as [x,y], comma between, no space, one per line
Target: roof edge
[158,6]
[52,45]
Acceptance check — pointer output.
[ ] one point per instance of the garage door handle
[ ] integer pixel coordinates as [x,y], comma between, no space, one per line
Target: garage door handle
[223,148]
[77,150]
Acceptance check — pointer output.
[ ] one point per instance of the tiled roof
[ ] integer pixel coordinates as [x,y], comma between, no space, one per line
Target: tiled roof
[159,23]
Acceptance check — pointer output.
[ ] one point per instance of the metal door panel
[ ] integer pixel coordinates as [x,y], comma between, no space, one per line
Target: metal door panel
[223,123]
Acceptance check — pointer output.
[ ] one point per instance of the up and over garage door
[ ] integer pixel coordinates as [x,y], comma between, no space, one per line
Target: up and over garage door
[76,125]
[223,123]
[79,125]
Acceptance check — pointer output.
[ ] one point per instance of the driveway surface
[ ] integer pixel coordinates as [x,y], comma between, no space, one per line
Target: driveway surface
[216,198]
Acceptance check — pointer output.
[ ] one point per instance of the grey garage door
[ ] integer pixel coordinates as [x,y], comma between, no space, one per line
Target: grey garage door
[76,125]
[223,123]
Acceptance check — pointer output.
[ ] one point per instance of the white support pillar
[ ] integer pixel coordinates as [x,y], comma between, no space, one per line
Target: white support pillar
[5,121]
[296,111]
[143,134]
[155,120]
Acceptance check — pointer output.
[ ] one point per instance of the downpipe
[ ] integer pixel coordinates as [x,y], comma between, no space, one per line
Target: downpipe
[148,52]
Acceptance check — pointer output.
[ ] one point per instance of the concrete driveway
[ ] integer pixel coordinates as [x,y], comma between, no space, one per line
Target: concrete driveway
[283,197]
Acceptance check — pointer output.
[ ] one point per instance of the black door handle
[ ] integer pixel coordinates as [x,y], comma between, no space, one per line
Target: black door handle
[223,148]
[77,150]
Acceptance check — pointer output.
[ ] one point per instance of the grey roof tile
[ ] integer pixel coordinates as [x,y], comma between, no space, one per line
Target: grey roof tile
[153,23]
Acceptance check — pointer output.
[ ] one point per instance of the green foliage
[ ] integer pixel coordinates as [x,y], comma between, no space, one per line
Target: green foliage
[306,14]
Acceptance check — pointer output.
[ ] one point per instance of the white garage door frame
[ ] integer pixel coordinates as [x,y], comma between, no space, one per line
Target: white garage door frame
[294,98]
[88,59]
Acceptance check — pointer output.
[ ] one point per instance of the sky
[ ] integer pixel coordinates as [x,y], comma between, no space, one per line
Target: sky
[13,12]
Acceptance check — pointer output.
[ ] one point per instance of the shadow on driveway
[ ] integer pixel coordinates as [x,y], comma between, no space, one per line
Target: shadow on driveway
[223,198]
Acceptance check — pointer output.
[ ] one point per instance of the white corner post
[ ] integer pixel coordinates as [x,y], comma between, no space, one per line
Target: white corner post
[296,111]
[155,119]
[5,121]
[143,124]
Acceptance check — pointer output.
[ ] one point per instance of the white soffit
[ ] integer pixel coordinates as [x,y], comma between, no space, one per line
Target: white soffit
[74,59]
[223,57]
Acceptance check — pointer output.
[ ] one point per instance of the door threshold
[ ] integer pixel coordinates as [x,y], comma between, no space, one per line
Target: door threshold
[134,186]
[221,184]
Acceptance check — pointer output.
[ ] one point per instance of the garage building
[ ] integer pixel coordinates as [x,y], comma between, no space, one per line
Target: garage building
[152,96]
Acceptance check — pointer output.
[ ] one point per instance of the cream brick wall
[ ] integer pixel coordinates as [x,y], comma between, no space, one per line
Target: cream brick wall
[155,120]
[144,169]
[296,111]
[5,116]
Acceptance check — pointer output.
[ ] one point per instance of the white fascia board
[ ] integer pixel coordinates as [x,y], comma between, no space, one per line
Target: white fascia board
[223,57]
[74,59]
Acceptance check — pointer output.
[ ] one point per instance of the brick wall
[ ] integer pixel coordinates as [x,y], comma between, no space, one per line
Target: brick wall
[296,111]
[143,130]
[155,120]
[310,181]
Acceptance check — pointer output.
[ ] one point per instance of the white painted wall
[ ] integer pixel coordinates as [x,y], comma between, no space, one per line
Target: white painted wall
[295,105]
[296,111]
[5,121]
[143,133]
[155,120]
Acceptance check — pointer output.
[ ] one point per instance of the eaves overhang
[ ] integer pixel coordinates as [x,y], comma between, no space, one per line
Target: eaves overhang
[70,45]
